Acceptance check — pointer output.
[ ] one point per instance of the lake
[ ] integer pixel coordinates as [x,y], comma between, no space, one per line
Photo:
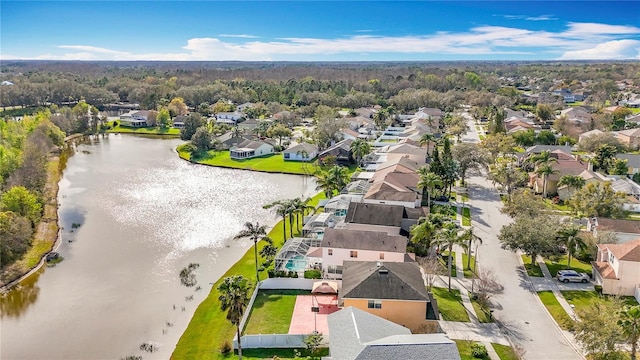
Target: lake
[133,215]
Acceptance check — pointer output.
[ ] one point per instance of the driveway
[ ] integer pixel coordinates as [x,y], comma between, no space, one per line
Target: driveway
[517,308]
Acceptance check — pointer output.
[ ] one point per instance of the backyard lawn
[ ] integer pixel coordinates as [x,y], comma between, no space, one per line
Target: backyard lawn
[450,304]
[146,130]
[272,163]
[532,269]
[271,312]
[557,311]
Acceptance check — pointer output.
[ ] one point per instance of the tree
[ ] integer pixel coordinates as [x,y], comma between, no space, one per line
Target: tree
[202,139]
[496,121]
[15,232]
[313,341]
[280,208]
[432,269]
[545,170]
[619,167]
[163,118]
[429,182]
[449,236]
[598,331]
[508,175]
[629,322]
[22,202]
[598,199]
[177,107]
[428,139]
[523,203]
[268,252]
[191,125]
[532,235]
[279,131]
[605,156]
[469,157]
[334,179]
[498,144]
[234,298]
[457,126]
[573,182]
[544,112]
[593,142]
[254,232]
[569,236]
[360,148]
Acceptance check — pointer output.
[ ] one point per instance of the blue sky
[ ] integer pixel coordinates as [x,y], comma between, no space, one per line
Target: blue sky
[319,30]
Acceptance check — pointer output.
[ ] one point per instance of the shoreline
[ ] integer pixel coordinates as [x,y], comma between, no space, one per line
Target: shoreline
[239,168]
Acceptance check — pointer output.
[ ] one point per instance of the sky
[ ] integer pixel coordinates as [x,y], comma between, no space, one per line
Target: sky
[320,30]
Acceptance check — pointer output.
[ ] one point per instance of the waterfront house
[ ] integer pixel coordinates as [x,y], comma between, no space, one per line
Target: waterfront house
[134,118]
[341,150]
[300,152]
[250,149]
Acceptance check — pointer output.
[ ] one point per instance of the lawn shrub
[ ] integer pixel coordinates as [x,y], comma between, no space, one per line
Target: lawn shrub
[226,347]
[478,350]
[312,274]
[282,274]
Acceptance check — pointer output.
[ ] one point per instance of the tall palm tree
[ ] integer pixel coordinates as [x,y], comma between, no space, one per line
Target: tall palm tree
[339,175]
[268,251]
[428,182]
[254,232]
[630,324]
[572,182]
[545,170]
[237,134]
[234,298]
[280,208]
[423,233]
[360,148]
[449,236]
[569,236]
[428,139]
[300,207]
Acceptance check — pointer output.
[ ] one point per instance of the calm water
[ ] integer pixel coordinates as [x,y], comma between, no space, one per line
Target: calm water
[143,215]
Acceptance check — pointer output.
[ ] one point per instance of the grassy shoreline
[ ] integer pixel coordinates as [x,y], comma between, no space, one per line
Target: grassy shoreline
[169,132]
[209,329]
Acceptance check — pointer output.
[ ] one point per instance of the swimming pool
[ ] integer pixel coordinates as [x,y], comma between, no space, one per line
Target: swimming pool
[296,263]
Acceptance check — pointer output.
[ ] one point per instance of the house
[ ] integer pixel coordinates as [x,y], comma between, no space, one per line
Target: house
[576,115]
[381,217]
[565,164]
[178,121]
[633,162]
[248,125]
[630,138]
[389,191]
[359,335]
[341,150]
[565,192]
[6,83]
[300,152]
[617,268]
[242,107]
[233,116]
[134,118]
[338,205]
[365,112]
[590,133]
[391,290]
[229,140]
[249,149]
[340,245]
[404,150]
[623,230]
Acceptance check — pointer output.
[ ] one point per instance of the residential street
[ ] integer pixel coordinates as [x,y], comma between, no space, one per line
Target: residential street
[517,308]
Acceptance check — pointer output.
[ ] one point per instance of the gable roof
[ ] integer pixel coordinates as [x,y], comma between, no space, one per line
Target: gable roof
[629,251]
[619,225]
[389,281]
[309,148]
[251,144]
[416,346]
[374,214]
[385,190]
[363,240]
[628,132]
[343,145]
[633,160]
[536,149]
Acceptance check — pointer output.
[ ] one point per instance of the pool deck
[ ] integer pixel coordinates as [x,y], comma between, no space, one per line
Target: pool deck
[304,321]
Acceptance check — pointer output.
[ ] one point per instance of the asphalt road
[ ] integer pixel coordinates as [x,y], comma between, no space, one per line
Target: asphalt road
[516,308]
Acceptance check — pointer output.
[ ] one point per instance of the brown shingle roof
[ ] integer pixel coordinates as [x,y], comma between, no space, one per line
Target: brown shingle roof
[604,269]
[628,251]
[374,214]
[618,225]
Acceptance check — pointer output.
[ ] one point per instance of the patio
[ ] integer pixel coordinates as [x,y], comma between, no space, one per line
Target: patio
[305,321]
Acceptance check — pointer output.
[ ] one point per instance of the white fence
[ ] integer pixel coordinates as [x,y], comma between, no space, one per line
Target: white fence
[272,341]
[287,283]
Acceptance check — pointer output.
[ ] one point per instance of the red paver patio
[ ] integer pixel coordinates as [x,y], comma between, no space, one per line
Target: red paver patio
[304,321]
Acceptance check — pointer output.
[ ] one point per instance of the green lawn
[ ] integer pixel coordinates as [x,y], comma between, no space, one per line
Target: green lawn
[466,216]
[282,354]
[482,313]
[209,329]
[532,270]
[444,259]
[468,272]
[561,264]
[505,352]
[557,311]
[146,130]
[271,312]
[272,163]
[583,299]
[450,304]
[557,207]
[464,347]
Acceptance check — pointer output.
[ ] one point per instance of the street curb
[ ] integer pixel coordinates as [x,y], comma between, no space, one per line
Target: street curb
[533,289]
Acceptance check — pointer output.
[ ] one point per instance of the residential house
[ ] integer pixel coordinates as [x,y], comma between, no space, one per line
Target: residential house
[624,231]
[565,192]
[578,115]
[250,148]
[341,150]
[340,245]
[300,152]
[242,107]
[633,162]
[248,125]
[348,133]
[392,219]
[134,118]
[391,191]
[359,335]
[630,138]
[391,290]
[408,151]
[617,268]
[178,121]
[229,140]
[232,116]
[537,149]
[338,205]
[566,164]
[365,112]
[589,133]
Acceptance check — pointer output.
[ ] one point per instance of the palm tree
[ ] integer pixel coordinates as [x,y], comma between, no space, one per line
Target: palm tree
[237,134]
[360,148]
[234,298]
[425,230]
[300,207]
[268,251]
[280,208]
[254,232]
[428,139]
[334,179]
[451,235]
[545,170]
[630,324]
[570,237]
[572,182]
[428,182]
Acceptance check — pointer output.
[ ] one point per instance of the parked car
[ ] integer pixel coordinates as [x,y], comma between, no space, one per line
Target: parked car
[567,276]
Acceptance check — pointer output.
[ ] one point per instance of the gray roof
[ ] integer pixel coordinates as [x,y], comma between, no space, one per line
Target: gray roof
[309,148]
[356,334]
[374,214]
[536,149]
[389,281]
[363,240]
[344,145]
[633,160]
[251,144]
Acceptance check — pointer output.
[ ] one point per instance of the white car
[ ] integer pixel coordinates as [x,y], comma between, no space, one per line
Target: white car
[572,276]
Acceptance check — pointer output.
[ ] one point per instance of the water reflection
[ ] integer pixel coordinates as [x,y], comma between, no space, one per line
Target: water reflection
[14,302]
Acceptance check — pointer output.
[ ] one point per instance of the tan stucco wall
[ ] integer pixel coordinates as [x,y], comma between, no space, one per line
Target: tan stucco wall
[410,314]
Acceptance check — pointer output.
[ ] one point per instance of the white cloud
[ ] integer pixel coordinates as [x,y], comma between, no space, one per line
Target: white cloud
[611,50]
[541,18]
[578,40]
[243,36]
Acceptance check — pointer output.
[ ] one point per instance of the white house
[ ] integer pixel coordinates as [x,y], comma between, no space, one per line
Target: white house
[300,152]
[356,245]
[134,118]
[249,149]
[617,268]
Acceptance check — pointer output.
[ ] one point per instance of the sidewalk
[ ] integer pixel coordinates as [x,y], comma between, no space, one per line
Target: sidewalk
[556,292]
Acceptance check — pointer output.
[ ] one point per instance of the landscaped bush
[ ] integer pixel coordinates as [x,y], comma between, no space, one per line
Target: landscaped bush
[478,350]
[282,274]
[313,274]
[226,347]
[598,289]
